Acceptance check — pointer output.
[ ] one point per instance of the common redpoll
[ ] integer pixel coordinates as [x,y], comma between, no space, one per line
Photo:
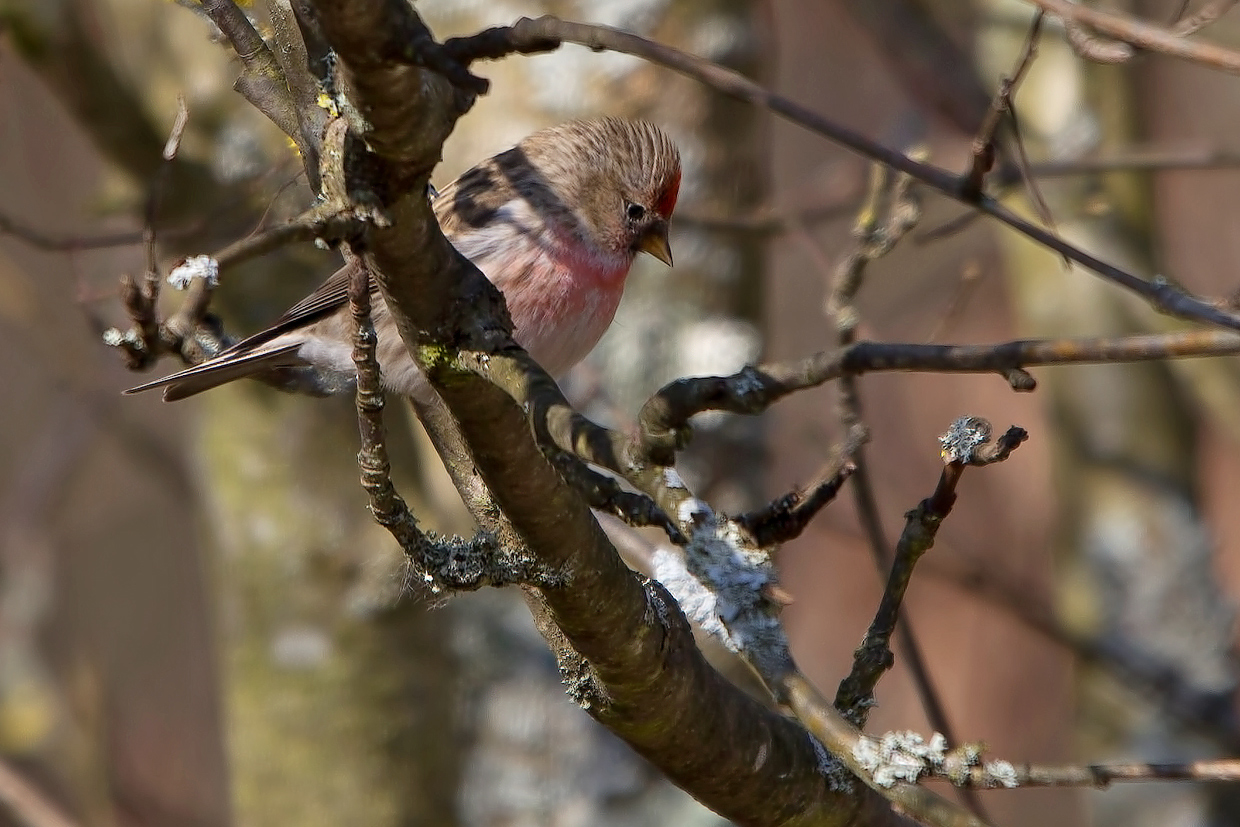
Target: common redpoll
[555,223]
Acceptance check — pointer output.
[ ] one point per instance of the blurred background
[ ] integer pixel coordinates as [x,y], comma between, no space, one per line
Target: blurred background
[199,625]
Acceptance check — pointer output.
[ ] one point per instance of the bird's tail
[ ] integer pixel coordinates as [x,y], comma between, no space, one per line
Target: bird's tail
[224,368]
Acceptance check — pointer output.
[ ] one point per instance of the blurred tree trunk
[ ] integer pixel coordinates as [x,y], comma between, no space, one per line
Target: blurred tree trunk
[1134,556]
[337,697]
[339,690]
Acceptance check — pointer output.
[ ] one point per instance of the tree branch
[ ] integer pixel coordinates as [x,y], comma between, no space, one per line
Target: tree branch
[627,653]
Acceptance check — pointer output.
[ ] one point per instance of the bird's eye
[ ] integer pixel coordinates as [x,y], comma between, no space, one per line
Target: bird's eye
[635,212]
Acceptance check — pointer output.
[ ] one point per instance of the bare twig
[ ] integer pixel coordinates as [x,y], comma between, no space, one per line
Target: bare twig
[605,494]
[1142,35]
[1091,46]
[771,219]
[141,296]
[970,278]
[66,243]
[262,81]
[337,216]
[1207,14]
[755,388]
[26,804]
[1209,714]
[544,33]
[842,739]
[891,213]
[786,517]
[449,564]
[1101,775]
[984,148]
[964,444]
[907,756]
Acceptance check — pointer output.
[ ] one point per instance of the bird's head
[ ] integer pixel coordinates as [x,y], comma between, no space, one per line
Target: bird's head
[621,177]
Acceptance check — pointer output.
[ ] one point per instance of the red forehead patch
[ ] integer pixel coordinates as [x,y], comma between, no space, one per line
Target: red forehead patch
[667,201]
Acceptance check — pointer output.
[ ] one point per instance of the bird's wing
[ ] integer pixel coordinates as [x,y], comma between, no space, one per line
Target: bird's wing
[334,292]
[249,356]
[222,369]
[325,300]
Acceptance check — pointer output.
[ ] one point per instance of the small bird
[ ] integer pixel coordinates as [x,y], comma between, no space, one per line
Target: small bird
[555,223]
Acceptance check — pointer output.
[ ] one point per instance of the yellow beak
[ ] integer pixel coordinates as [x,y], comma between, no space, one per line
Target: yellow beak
[655,243]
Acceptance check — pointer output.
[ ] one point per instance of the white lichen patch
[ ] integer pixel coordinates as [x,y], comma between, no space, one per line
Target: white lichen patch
[115,337]
[963,438]
[697,602]
[693,510]
[719,582]
[672,480]
[900,756]
[1001,773]
[195,267]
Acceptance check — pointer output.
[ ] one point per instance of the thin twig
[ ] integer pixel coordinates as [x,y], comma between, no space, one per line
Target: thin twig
[906,756]
[963,446]
[755,388]
[262,81]
[984,148]
[28,805]
[1226,770]
[448,564]
[786,517]
[842,739]
[1089,45]
[970,278]
[891,212]
[1209,714]
[1203,17]
[605,494]
[1143,35]
[530,35]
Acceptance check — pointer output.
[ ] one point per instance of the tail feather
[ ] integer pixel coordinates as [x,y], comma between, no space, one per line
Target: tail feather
[223,369]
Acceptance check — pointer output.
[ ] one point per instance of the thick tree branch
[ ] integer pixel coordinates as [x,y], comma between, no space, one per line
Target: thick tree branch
[632,662]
